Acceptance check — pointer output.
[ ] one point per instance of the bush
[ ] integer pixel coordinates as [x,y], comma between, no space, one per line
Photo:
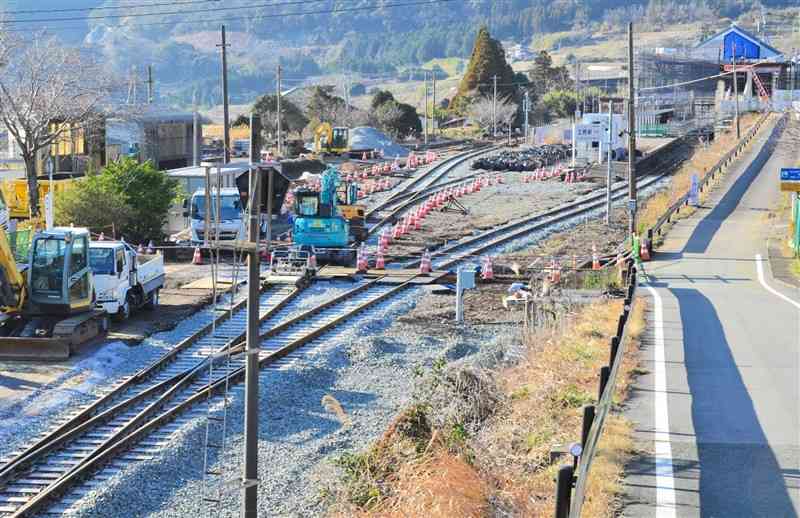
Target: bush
[130,197]
[94,203]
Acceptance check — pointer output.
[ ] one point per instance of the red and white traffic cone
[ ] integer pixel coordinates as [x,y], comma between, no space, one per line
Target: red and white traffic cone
[198,257]
[425,263]
[311,264]
[102,237]
[140,249]
[487,272]
[364,156]
[150,248]
[595,258]
[380,262]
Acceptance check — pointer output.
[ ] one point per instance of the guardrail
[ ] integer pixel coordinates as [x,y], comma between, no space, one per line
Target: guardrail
[572,479]
[569,503]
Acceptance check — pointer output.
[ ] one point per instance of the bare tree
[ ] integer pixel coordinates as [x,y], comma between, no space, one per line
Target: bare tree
[482,111]
[45,90]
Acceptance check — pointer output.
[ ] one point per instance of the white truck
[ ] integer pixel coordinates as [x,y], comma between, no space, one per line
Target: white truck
[123,279]
[231,221]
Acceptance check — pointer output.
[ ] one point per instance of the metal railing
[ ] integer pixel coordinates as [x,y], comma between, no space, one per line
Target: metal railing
[569,502]
[707,178]
[572,479]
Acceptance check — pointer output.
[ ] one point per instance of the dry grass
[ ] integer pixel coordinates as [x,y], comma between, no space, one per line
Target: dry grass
[332,405]
[701,161]
[504,468]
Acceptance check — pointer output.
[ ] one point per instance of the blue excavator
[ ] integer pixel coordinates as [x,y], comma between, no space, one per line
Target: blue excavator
[319,224]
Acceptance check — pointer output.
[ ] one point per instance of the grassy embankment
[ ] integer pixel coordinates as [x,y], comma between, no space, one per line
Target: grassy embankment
[477,443]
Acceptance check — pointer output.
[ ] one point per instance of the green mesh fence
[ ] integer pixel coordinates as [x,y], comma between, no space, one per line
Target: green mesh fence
[20,242]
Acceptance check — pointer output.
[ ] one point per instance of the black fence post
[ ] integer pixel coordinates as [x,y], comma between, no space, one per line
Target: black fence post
[588,419]
[564,490]
[614,349]
[605,372]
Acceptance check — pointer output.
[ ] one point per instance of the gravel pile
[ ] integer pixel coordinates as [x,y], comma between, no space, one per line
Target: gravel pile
[366,137]
[368,366]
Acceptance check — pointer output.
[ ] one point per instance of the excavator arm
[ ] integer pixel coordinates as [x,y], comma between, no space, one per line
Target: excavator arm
[323,137]
[12,281]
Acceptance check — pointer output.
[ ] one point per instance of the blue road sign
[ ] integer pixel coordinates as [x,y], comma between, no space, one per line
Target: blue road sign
[790,174]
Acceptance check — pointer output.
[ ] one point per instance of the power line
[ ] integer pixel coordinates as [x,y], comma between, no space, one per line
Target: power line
[159,13]
[104,8]
[333,10]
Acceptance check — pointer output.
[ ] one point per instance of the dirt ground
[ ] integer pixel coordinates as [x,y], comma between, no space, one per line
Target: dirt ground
[492,206]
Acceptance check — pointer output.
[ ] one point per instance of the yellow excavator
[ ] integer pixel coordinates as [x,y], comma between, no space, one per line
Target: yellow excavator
[330,140]
[47,306]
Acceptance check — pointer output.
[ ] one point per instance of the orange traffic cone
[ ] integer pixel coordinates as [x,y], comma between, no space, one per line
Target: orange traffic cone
[198,257]
[595,258]
[150,248]
[380,263]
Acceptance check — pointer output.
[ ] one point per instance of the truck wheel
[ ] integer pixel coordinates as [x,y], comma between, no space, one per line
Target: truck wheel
[123,312]
[152,302]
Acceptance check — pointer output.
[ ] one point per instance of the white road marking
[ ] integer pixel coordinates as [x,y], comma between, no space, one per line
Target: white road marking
[760,270]
[665,481]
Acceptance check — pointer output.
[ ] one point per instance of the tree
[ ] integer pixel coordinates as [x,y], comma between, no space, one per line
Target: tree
[395,118]
[560,103]
[483,111]
[487,61]
[292,118]
[45,90]
[323,106]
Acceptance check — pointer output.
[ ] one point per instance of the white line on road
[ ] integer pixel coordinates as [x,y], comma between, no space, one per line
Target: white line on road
[665,481]
[760,269]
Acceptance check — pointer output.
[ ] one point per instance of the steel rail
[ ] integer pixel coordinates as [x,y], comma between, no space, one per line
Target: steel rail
[112,449]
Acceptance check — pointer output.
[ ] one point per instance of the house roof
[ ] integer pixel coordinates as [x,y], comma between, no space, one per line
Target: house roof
[742,32]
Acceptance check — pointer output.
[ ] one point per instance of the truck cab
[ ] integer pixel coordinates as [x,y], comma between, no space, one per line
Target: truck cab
[124,279]
[230,226]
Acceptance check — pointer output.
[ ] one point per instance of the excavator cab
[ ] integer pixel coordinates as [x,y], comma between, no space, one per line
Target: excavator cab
[59,277]
[340,140]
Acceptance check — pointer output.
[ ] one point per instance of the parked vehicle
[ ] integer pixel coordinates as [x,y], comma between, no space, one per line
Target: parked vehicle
[124,280]
[230,226]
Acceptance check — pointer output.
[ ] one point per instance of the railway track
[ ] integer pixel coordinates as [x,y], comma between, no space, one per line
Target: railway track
[54,474]
[426,181]
[92,428]
[449,255]
[401,202]
[132,422]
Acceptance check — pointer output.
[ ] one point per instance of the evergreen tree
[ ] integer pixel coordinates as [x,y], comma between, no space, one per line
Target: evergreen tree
[488,60]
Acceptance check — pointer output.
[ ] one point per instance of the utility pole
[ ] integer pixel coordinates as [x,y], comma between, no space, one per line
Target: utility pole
[526,107]
[280,125]
[494,107]
[149,84]
[425,75]
[631,136]
[736,93]
[226,137]
[195,131]
[250,475]
[608,168]
[434,124]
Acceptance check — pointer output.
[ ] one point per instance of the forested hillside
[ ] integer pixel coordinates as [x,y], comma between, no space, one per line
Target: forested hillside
[314,37]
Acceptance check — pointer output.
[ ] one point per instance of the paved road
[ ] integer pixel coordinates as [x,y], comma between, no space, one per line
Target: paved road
[718,410]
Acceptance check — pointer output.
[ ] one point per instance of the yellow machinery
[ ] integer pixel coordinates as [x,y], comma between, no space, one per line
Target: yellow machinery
[15,192]
[330,140]
[47,306]
[352,211]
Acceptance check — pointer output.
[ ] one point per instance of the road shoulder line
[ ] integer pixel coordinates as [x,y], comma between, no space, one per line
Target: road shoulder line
[665,481]
[760,271]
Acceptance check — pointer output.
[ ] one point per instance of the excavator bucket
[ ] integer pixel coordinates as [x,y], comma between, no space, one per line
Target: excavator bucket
[34,349]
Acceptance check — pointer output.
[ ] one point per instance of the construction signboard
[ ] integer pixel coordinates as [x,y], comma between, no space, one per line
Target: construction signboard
[790,179]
